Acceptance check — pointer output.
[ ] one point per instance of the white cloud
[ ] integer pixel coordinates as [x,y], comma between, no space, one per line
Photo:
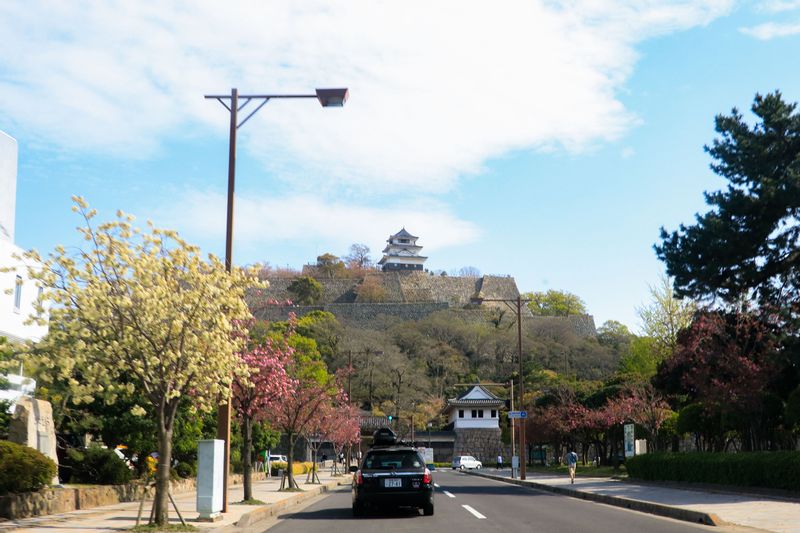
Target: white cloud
[778,6]
[771,30]
[269,220]
[437,87]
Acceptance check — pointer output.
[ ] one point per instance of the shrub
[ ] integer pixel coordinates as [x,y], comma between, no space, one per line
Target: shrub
[97,465]
[297,467]
[777,470]
[23,469]
[185,469]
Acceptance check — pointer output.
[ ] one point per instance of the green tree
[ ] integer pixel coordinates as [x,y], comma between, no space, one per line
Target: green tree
[747,242]
[665,316]
[615,335]
[641,359]
[141,314]
[330,265]
[555,303]
[307,290]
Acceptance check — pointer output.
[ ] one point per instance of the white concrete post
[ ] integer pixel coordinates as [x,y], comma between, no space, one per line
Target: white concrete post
[210,471]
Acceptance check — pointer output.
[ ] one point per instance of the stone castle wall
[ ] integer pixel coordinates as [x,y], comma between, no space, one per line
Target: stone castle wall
[483,444]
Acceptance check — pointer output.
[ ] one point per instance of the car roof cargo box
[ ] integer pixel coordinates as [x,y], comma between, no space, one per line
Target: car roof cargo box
[384,437]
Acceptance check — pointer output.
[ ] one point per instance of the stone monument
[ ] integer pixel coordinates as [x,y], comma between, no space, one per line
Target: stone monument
[32,425]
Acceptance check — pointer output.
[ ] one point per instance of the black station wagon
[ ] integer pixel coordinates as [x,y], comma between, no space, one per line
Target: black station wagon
[392,475]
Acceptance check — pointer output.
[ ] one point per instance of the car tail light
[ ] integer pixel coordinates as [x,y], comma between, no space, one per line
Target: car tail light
[359,478]
[427,478]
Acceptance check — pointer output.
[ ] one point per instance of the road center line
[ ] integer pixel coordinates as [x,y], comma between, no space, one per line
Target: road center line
[449,494]
[475,513]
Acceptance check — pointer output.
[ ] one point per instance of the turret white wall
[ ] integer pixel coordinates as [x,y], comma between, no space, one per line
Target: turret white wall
[8,186]
[23,290]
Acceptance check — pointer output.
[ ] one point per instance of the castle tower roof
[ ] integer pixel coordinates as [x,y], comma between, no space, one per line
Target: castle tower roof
[402,253]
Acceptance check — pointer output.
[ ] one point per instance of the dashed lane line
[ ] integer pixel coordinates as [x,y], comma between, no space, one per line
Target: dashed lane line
[475,513]
[436,485]
[449,494]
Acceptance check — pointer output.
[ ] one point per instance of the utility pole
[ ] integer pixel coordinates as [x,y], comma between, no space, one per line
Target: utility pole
[522,448]
[513,423]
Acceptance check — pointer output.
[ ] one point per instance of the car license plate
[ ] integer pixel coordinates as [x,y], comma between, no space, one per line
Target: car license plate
[392,483]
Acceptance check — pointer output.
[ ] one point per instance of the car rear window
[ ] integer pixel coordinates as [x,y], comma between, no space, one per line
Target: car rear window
[392,459]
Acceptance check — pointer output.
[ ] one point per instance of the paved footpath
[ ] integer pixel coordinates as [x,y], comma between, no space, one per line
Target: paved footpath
[765,513]
[122,516]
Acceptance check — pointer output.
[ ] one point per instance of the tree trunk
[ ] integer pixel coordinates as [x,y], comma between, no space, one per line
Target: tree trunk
[247,453]
[292,484]
[161,503]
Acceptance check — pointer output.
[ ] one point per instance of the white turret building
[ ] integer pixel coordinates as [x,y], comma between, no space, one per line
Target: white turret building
[15,308]
[402,253]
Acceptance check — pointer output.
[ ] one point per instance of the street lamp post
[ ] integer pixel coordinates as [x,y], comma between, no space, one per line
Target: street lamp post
[515,305]
[327,98]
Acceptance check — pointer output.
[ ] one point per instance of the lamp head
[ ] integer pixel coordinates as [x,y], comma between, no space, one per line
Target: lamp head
[332,97]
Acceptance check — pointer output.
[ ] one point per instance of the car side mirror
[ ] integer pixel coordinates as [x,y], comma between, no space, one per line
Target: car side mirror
[353,468]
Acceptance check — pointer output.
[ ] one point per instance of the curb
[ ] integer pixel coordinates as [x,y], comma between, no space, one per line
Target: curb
[677,513]
[269,511]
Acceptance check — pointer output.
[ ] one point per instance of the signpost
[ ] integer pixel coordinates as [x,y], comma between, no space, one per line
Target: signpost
[518,414]
[630,451]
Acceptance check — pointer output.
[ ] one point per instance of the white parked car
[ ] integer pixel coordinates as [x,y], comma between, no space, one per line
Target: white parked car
[464,462]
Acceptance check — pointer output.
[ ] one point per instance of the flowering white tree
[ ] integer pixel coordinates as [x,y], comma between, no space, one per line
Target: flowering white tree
[140,313]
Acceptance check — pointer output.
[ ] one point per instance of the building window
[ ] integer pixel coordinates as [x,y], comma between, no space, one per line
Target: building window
[18,293]
[480,413]
[474,413]
[494,413]
[460,413]
[39,299]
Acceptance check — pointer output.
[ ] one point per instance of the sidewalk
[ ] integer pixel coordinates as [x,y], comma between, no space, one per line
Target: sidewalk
[122,516]
[701,506]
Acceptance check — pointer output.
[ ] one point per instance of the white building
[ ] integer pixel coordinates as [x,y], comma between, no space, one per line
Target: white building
[18,306]
[475,409]
[402,253]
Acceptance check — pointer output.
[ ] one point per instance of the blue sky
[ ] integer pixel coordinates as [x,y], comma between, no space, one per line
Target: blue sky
[545,140]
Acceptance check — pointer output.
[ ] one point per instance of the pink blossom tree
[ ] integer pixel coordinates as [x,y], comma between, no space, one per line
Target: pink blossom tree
[266,384]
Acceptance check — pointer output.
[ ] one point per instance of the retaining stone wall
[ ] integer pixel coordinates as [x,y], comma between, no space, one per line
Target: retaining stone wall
[363,313]
[64,500]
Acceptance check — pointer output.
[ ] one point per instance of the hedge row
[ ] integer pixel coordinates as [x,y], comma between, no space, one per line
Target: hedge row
[777,470]
[23,469]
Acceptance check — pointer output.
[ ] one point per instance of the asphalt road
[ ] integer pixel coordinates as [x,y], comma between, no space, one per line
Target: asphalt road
[468,503]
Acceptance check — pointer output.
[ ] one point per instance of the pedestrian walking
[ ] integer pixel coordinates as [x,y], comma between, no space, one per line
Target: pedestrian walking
[572,464]
[499,462]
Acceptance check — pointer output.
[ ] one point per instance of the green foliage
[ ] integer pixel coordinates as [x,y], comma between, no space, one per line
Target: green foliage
[306,290]
[555,303]
[776,470]
[615,335]
[324,328]
[23,469]
[96,465]
[5,418]
[792,410]
[747,241]
[665,316]
[642,358]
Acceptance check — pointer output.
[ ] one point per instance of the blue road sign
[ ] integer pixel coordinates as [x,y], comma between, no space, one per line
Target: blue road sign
[518,414]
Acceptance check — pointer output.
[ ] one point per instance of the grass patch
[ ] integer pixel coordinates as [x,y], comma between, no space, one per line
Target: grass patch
[251,501]
[168,527]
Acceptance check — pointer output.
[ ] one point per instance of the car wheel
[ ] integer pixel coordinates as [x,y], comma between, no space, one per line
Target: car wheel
[358,510]
[428,510]
[479,466]
[463,467]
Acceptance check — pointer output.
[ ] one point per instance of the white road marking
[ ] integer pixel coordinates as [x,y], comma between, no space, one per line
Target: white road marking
[449,494]
[475,513]
[436,485]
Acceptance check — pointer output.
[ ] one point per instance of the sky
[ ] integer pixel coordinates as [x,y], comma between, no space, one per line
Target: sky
[546,140]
